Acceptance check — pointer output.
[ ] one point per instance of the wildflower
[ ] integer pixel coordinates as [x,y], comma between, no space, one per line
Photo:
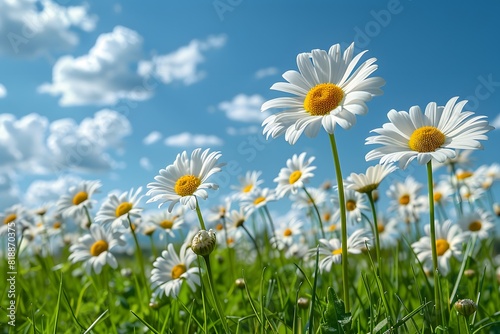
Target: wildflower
[434,135]
[204,242]
[169,222]
[478,222]
[327,91]
[295,175]
[257,200]
[301,199]
[287,233]
[117,210]
[406,200]
[78,199]
[388,232]
[449,241]
[10,217]
[366,183]
[172,269]
[466,307]
[185,180]
[95,248]
[248,184]
[355,204]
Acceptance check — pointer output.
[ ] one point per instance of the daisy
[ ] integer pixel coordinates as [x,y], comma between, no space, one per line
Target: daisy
[248,184]
[327,90]
[185,180]
[388,232]
[301,200]
[449,241]
[462,159]
[479,223]
[355,204]
[169,222]
[172,269]
[406,200]
[10,217]
[257,200]
[366,183]
[332,249]
[434,135]
[443,192]
[488,174]
[295,175]
[95,248]
[78,199]
[286,234]
[117,210]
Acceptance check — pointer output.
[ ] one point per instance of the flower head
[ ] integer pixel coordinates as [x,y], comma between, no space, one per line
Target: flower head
[366,183]
[186,179]
[116,210]
[78,198]
[433,135]
[406,199]
[327,90]
[295,175]
[249,183]
[478,222]
[355,204]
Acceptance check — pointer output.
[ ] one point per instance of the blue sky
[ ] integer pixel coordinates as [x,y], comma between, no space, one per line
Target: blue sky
[114,90]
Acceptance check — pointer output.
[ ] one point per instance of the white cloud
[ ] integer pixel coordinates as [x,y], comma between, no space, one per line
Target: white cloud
[9,192]
[145,163]
[186,139]
[232,131]
[152,138]
[34,27]
[496,122]
[40,192]
[3,91]
[244,108]
[182,64]
[265,72]
[104,75]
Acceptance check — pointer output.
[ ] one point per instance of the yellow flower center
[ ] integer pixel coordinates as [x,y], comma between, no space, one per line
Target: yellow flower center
[475,226]
[80,197]
[239,222]
[442,246]
[259,200]
[123,209]
[323,98]
[288,232]
[294,176]
[404,199]
[426,139]
[464,175]
[332,228]
[337,251]
[10,218]
[166,224]
[186,185]
[247,188]
[98,247]
[178,270]
[350,205]
[438,197]
[219,227]
[380,228]
[57,225]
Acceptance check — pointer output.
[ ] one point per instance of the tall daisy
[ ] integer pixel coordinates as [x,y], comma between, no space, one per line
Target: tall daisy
[78,200]
[327,90]
[366,183]
[296,174]
[355,204]
[186,179]
[433,135]
[95,248]
[287,233]
[248,183]
[449,242]
[256,200]
[172,269]
[168,222]
[117,210]
[478,222]
[405,199]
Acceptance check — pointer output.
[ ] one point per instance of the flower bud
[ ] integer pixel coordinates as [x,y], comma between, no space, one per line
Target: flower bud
[204,242]
[496,209]
[465,307]
[469,273]
[303,303]
[240,283]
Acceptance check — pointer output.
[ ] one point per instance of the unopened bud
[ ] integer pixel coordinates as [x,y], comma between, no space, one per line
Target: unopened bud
[469,273]
[465,307]
[303,302]
[204,242]
[496,209]
[240,283]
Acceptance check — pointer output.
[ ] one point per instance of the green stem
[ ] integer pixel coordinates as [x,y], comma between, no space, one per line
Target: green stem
[139,256]
[254,242]
[218,306]
[87,213]
[229,257]
[343,221]
[437,295]
[200,217]
[317,212]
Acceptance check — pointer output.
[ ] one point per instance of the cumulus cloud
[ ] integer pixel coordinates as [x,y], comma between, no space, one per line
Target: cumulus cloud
[9,192]
[182,64]
[496,122]
[244,108]
[232,131]
[3,91]
[186,139]
[30,28]
[104,75]
[152,138]
[145,163]
[265,72]
[41,192]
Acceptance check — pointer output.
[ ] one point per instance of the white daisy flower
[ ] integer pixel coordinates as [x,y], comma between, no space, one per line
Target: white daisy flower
[355,204]
[327,90]
[332,249]
[116,210]
[449,242]
[462,159]
[12,218]
[434,135]
[172,269]
[287,233]
[302,201]
[443,192]
[257,200]
[169,222]
[78,198]
[248,184]
[95,248]
[366,183]
[406,200]
[296,174]
[185,180]
[478,222]
[388,232]
[488,174]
